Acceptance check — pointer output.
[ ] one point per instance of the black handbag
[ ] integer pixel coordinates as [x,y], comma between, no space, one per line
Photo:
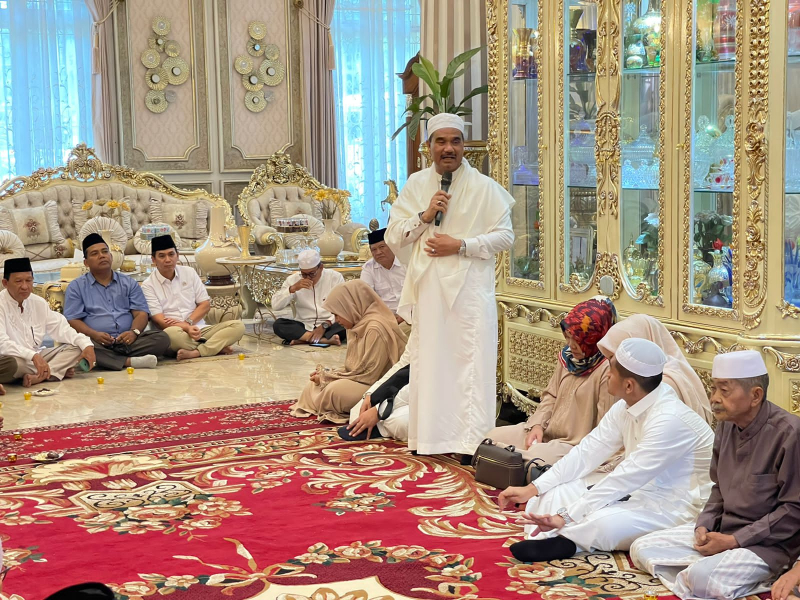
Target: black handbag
[534,469]
[498,466]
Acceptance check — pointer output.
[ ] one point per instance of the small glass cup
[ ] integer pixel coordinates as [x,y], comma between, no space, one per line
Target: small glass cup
[241,356]
[130,370]
[27,395]
[12,458]
[17,435]
[101,380]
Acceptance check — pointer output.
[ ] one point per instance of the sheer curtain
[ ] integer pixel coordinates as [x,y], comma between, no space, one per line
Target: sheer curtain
[373,40]
[45,88]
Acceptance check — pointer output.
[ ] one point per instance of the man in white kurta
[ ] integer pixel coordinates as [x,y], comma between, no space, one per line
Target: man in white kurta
[450,287]
[25,320]
[662,481]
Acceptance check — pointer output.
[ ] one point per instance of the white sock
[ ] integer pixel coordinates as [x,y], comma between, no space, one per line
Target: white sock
[148,361]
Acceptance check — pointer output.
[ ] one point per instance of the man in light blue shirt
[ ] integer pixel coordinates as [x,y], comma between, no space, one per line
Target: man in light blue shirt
[111,309]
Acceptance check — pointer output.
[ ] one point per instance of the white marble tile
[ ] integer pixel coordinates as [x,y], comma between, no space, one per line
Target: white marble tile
[271,372]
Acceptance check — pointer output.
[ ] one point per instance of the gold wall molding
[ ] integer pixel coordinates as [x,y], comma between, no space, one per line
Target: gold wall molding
[789,363]
[531,316]
[526,405]
[688,233]
[795,396]
[497,139]
[560,158]
[607,125]
[699,346]
[788,310]
[754,286]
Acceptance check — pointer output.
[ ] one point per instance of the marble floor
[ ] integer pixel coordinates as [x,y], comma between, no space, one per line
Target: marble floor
[268,372]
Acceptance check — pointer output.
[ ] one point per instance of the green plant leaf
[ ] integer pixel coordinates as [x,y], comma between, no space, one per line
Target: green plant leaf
[476,92]
[461,59]
[394,135]
[432,78]
[423,74]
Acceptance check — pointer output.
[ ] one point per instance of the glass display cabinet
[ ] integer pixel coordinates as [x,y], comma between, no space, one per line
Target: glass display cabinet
[633,136]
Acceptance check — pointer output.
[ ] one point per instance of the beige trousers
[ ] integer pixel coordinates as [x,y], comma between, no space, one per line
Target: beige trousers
[61,359]
[217,337]
[514,435]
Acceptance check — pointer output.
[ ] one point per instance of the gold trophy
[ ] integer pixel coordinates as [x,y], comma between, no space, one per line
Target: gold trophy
[244,240]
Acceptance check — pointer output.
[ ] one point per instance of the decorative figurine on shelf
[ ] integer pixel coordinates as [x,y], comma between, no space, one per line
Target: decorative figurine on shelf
[725,30]
[717,279]
[649,27]
[630,254]
[635,54]
[722,163]
[523,174]
[643,148]
[704,33]
[700,269]
[577,46]
[791,269]
[522,52]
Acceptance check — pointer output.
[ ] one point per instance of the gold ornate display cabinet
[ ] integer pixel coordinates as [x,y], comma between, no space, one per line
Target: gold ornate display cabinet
[633,137]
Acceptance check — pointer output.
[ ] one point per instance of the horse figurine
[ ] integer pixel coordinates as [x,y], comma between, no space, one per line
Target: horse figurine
[393,194]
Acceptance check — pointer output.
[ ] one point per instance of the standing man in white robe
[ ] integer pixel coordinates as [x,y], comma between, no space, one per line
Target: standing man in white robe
[451,289]
[663,480]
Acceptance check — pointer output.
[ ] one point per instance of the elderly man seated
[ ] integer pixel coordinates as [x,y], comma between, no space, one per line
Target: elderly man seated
[750,527]
[308,289]
[179,302]
[110,308]
[25,320]
[661,482]
[384,273]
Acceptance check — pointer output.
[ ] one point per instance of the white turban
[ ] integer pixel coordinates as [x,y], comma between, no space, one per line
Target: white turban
[308,259]
[738,365]
[445,121]
[641,357]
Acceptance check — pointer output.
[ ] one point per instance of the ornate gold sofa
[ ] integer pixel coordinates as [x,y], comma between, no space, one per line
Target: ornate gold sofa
[278,189]
[86,179]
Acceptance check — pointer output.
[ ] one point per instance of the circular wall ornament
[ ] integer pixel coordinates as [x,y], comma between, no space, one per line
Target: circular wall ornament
[156,101]
[150,58]
[271,72]
[271,52]
[243,64]
[178,70]
[257,30]
[161,26]
[255,101]
[172,48]
[255,48]
[252,82]
[157,79]
[170,95]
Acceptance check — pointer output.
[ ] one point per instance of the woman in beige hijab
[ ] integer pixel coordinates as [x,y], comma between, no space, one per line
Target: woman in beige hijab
[678,373]
[374,344]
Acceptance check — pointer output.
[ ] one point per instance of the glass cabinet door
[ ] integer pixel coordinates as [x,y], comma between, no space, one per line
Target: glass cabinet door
[641,141]
[579,114]
[523,137]
[713,106]
[791,230]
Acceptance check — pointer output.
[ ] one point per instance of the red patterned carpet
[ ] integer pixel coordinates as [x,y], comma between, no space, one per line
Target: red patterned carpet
[248,501]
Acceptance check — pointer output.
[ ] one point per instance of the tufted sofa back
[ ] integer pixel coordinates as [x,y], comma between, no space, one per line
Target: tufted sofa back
[278,202]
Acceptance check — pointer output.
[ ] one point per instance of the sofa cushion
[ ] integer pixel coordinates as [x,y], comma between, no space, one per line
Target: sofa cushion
[33,225]
[83,211]
[189,220]
[45,251]
[10,246]
[98,224]
[297,208]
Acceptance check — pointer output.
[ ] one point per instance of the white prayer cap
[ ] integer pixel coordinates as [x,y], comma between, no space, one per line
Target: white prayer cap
[308,259]
[738,365]
[641,357]
[445,121]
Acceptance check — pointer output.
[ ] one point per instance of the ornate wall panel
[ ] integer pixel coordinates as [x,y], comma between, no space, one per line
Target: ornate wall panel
[177,139]
[532,358]
[248,137]
[795,406]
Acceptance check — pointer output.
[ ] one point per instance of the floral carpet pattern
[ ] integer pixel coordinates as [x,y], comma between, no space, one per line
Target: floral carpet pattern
[249,502]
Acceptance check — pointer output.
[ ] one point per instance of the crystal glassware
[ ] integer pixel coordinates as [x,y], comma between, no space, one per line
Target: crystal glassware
[725,30]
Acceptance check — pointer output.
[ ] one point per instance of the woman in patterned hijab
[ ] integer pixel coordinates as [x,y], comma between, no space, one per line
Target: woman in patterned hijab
[583,327]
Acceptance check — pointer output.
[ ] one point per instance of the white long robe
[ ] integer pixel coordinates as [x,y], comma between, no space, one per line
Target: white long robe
[665,471]
[453,344]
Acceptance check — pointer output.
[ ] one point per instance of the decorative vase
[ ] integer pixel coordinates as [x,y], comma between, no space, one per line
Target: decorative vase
[522,52]
[117,255]
[700,269]
[577,47]
[244,240]
[330,243]
[649,27]
[725,30]
[216,246]
[718,279]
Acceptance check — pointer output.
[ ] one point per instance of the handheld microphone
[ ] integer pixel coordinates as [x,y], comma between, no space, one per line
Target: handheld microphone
[447,179]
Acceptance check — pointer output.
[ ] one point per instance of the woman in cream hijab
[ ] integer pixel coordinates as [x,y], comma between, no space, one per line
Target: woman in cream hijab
[678,373]
[374,344]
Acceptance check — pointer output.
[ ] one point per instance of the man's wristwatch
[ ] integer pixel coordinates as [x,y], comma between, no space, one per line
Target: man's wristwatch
[326,325]
[463,250]
[189,321]
[562,512]
[137,332]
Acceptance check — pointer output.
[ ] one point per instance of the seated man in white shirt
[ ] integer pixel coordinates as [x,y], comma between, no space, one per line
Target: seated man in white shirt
[179,302]
[384,273]
[663,480]
[25,319]
[308,289]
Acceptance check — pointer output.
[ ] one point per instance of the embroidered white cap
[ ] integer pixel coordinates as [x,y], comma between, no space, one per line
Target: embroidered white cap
[641,357]
[308,259]
[445,121]
[738,365]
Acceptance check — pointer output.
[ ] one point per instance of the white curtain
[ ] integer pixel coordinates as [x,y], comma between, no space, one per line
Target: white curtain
[373,40]
[45,83]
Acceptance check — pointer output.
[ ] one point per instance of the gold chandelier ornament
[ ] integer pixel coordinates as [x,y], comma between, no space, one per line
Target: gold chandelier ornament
[163,71]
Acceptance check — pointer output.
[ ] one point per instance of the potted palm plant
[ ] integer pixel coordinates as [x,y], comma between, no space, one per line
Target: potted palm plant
[440,100]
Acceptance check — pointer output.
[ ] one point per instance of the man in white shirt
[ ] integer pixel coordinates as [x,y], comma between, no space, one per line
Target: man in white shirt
[384,273]
[25,319]
[179,302]
[308,289]
[662,481]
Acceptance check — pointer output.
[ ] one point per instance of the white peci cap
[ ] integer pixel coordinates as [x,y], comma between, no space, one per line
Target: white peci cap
[308,259]
[738,365]
[641,357]
[445,121]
